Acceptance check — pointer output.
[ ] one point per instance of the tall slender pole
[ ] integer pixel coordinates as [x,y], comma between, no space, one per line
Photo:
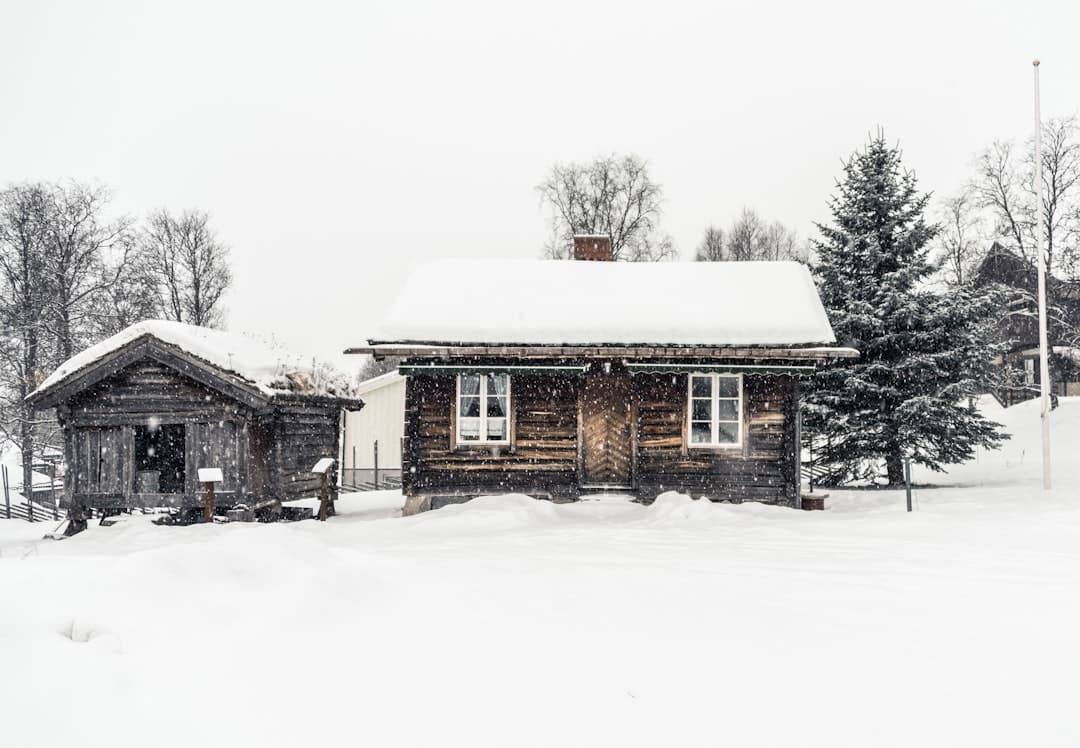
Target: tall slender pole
[1041,259]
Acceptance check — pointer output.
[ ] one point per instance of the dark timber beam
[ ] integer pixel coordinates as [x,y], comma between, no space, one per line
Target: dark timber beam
[424,351]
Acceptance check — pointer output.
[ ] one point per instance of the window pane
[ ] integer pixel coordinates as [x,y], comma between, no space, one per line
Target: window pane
[470,407]
[727,387]
[496,407]
[496,429]
[470,429]
[728,433]
[497,384]
[700,432]
[727,410]
[701,387]
[701,410]
[470,384]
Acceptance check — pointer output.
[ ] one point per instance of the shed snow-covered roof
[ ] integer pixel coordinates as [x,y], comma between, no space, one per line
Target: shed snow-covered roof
[377,383]
[559,302]
[265,367]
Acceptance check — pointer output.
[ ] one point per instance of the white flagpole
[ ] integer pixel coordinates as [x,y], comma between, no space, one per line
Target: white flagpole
[1040,257]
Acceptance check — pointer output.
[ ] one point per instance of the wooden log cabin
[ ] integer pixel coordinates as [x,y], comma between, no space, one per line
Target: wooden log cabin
[561,378]
[142,411]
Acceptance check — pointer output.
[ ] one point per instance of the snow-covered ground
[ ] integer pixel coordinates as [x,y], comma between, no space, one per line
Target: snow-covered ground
[511,622]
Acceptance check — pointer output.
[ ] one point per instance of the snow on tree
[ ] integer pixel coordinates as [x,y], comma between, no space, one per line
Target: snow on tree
[923,353]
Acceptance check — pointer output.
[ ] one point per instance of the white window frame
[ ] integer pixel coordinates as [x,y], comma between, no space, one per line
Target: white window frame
[483,441]
[714,411]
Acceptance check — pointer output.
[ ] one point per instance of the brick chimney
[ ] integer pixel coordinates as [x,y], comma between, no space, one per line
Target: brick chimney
[594,247]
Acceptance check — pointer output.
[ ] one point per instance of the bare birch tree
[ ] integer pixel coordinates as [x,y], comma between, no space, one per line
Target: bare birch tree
[24,217]
[750,238]
[712,246]
[85,255]
[1005,186]
[962,236]
[610,195]
[188,265]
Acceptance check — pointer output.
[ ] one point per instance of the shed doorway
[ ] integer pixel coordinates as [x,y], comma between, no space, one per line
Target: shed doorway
[606,431]
[160,466]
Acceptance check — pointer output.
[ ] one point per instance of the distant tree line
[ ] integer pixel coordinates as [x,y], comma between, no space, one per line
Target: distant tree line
[72,273]
[750,237]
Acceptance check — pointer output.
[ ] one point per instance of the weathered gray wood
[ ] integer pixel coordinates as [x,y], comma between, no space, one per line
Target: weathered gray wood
[425,351]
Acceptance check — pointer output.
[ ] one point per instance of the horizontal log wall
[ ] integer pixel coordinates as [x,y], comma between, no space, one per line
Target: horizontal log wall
[147,389]
[291,437]
[763,469]
[542,459]
[305,434]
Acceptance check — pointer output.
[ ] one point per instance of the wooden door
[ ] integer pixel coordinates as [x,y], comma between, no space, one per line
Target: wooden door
[606,431]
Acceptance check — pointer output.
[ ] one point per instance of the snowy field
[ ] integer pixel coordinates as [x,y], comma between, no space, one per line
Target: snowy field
[512,622]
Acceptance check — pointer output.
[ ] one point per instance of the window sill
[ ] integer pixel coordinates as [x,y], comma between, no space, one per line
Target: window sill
[486,449]
[714,447]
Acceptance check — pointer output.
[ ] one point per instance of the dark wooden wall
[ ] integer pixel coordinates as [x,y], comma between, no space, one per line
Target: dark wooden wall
[145,389]
[544,456]
[266,454]
[763,469]
[306,431]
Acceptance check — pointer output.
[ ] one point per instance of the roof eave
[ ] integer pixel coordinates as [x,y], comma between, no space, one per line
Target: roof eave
[813,352]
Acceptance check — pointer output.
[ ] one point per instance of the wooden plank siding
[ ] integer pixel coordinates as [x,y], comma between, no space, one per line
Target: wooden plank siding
[147,389]
[762,469]
[544,458]
[264,453]
[306,432]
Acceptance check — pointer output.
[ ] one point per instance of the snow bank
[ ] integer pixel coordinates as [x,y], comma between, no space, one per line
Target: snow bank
[268,367]
[515,622]
[551,302]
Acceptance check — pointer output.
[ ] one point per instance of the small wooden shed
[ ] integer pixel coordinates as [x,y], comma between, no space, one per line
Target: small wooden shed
[142,411]
[561,378]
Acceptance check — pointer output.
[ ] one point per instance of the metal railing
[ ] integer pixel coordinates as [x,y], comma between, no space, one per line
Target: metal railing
[370,479]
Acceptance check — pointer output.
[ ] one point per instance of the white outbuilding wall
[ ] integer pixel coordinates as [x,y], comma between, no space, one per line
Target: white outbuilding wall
[382,419]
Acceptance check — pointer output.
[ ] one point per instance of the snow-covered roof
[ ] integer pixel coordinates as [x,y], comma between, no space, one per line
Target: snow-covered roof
[377,383]
[266,367]
[559,302]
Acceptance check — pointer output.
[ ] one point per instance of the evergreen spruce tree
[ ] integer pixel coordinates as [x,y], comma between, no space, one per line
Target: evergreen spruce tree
[923,354]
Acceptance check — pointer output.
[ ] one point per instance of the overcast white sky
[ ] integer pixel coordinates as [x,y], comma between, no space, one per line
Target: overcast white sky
[335,142]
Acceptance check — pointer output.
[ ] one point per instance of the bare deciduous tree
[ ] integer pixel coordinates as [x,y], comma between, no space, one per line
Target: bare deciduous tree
[372,367]
[751,238]
[712,246]
[85,256]
[962,237]
[188,265]
[610,195]
[1005,186]
[24,218]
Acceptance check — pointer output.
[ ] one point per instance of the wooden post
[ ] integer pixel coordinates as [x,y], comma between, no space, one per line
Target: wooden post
[907,480]
[376,464]
[325,469]
[52,491]
[324,498]
[7,494]
[209,515]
